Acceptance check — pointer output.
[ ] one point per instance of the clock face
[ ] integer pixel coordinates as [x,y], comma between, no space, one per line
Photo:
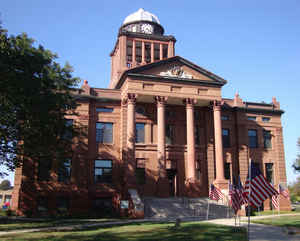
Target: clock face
[147,28]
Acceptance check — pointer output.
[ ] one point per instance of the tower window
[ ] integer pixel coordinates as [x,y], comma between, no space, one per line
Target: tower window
[147,52]
[138,51]
[156,51]
[129,51]
[165,51]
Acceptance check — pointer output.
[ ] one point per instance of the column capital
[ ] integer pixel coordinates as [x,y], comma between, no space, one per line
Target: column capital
[160,100]
[217,105]
[190,102]
[131,98]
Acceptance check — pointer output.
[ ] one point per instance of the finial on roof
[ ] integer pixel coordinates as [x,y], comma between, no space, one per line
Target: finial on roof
[85,82]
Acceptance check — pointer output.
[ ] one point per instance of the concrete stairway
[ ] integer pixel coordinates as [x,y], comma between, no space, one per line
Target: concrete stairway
[184,207]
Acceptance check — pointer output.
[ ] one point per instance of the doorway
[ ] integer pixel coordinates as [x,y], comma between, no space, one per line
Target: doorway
[172,178]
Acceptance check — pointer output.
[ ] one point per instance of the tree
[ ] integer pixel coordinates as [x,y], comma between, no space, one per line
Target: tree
[296,164]
[5,185]
[294,190]
[35,97]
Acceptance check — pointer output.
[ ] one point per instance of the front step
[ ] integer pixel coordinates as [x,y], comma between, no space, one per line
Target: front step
[184,207]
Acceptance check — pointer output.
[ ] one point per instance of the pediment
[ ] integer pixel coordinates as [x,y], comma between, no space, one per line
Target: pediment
[176,68]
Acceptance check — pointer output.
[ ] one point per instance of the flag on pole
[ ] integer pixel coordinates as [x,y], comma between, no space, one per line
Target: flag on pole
[284,191]
[215,193]
[260,188]
[240,190]
[234,199]
[275,201]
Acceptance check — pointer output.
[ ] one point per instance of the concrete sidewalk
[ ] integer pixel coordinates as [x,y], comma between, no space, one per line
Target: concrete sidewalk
[258,232]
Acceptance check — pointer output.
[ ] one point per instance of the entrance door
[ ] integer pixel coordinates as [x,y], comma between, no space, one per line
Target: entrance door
[172,177]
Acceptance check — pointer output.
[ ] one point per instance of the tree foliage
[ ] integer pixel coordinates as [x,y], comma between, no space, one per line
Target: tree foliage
[5,185]
[35,96]
[294,190]
[296,164]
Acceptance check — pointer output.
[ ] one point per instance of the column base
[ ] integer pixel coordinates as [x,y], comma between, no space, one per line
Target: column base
[221,184]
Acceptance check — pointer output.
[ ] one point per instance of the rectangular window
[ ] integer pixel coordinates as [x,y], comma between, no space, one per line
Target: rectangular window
[198,170]
[44,167]
[156,52]
[42,204]
[224,117]
[68,129]
[226,138]
[103,109]
[169,134]
[138,51]
[252,138]
[165,51]
[140,171]
[147,52]
[64,171]
[269,171]
[104,132]
[139,133]
[267,139]
[197,135]
[7,199]
[253,118]
[129,51]
[227,171]
[103,171]
[266,119]
[63,204]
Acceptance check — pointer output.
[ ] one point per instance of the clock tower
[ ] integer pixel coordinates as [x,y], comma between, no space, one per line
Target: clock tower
[141,41]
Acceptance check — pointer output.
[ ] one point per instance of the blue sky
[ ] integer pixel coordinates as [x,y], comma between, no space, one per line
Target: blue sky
[252,44]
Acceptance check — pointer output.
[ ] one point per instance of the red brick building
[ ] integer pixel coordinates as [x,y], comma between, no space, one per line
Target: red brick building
[161,129]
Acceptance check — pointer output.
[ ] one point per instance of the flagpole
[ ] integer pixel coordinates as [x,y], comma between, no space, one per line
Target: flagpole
[278,200]
[249,207]
[207,209]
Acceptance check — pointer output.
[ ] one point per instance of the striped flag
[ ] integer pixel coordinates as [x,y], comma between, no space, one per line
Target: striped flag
[240,191]
[260,188]
[234,198]
[215,193]
[284,191]
[275,201]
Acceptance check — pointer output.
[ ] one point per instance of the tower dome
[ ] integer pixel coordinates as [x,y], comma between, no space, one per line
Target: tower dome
[141,15]
[142,21]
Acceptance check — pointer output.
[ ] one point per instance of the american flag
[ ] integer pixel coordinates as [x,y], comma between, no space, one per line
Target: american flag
[240,190]
[275,201]
[234,198]
[284,191]
[260,188]
[215,193]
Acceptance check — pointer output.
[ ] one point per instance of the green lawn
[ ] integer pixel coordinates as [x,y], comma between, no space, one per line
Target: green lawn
[140,232]
[284,221]
[270,212]
[11,224]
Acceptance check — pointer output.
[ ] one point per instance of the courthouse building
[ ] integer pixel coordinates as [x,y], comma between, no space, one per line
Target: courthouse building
[160,129]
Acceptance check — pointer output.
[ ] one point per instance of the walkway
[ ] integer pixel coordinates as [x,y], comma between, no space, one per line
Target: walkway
[258,232]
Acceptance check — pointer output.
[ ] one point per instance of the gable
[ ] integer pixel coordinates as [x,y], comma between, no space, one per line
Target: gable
[175,70]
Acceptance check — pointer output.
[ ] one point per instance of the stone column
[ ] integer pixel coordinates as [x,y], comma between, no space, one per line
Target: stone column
[152,52]
[163,185]
[133,54]
[161,131]
[190,131]
[220,179]
[160,51]
[130,168]
[143,52]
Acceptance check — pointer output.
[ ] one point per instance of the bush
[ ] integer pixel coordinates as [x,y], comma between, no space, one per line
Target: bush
[8,212]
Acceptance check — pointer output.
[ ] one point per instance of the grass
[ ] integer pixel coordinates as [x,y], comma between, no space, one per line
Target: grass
[191,231]
[285,221]
[11,224]
[270,212]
